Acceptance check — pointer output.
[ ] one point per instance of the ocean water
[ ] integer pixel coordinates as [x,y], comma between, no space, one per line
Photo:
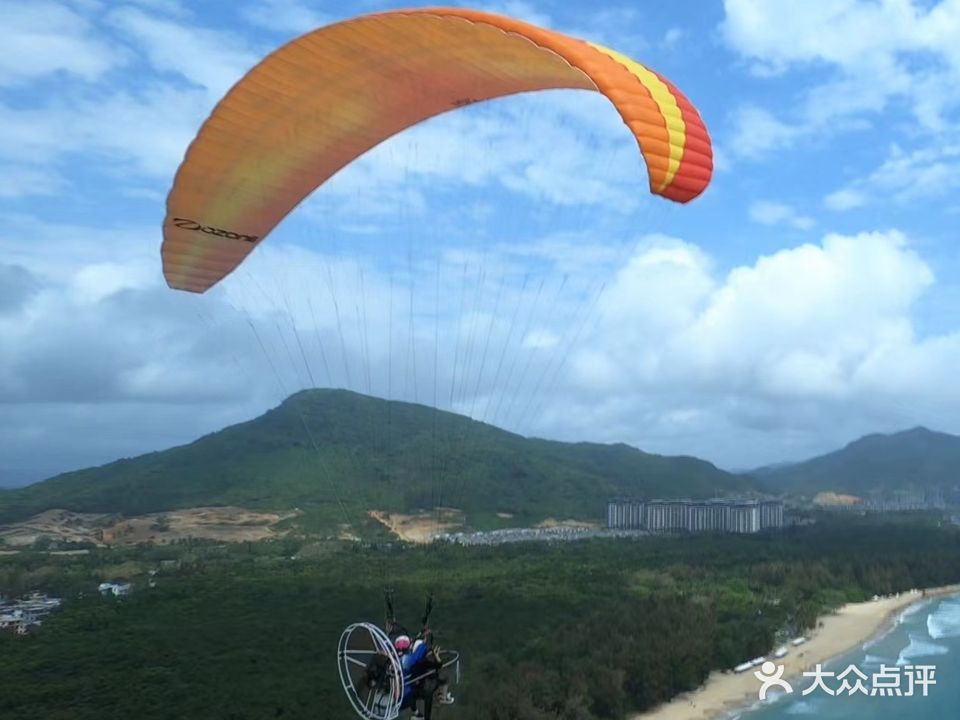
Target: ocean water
[925,634]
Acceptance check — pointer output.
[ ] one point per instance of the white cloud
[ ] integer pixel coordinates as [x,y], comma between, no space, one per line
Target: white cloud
[44,38]
[145,129]
[520,9]
[758,132]
[662,267]
[672,36]
[17,285]
[835,301]
[287,16]
[775,213]
[845,199]
[147,133]
[673,357]
[94,282]
[211,59]
[173,8]
[540,339]
[21,181]
[780,33]
[56,251]
[765,352]
[875,53]
[929,172]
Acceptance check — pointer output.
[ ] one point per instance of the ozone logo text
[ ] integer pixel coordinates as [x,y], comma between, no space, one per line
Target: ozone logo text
[187,224]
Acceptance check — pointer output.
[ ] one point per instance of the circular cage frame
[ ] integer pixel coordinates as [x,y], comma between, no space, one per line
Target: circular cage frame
[360,645]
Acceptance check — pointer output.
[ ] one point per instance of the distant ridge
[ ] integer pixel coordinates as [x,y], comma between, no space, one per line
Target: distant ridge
[338,454]
[915,459]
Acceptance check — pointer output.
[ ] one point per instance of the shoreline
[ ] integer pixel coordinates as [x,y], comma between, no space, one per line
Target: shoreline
[725,692]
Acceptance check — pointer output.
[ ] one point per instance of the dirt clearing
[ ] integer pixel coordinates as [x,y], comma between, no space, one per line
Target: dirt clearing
[228,524]
[420,527]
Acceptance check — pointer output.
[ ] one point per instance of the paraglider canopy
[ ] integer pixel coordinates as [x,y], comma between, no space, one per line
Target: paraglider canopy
[327,97]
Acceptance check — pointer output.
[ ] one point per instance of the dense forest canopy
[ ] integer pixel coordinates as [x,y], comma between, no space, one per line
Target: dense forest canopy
[581,631]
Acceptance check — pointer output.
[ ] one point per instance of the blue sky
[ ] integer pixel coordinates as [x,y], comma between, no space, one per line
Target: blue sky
[807,298]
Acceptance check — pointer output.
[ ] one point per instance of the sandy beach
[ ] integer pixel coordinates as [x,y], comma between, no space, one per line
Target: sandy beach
[850,626]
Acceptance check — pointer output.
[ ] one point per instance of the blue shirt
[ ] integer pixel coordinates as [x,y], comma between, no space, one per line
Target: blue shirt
[409,662]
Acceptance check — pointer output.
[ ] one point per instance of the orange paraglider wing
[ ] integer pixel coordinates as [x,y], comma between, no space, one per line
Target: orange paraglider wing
[324,99]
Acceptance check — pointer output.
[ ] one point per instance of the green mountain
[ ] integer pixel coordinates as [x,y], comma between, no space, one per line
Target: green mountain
[335,454]
[917,459]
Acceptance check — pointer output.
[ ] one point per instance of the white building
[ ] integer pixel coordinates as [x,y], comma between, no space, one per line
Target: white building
[116,589]
[722,514]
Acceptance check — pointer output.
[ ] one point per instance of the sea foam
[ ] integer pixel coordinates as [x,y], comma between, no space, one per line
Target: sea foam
[920,647]
[944,622]
[801,707]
